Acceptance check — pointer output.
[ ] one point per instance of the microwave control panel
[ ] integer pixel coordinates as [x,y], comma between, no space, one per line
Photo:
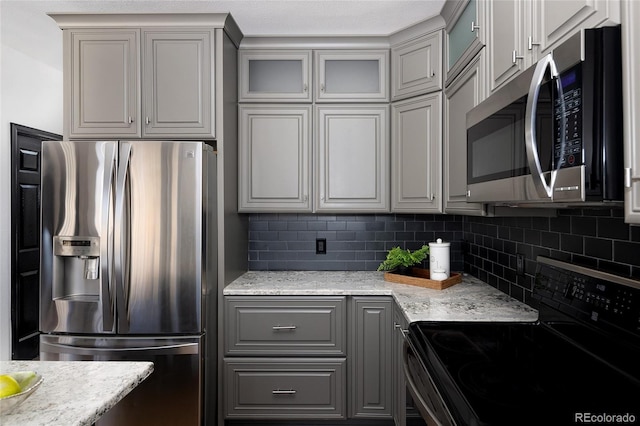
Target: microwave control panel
[568,150]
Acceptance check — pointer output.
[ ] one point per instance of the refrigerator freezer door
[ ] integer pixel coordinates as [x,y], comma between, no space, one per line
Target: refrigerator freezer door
[171,395]
[76,286]
[159,228]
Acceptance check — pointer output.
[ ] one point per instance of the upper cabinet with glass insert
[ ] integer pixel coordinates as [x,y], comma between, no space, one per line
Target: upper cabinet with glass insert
[351,76]
[465,36]
[277,75]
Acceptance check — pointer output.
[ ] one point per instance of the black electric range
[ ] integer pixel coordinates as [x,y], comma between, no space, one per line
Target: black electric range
[579,364]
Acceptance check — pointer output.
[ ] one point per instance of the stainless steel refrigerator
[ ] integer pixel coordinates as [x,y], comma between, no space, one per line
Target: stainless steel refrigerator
[128,269]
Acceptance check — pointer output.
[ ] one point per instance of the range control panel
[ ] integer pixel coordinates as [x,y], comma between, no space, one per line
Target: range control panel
[590,295]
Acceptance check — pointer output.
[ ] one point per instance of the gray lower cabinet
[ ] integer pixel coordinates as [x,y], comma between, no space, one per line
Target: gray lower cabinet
[308,357]
[370,357]
[281,388]
[288,326]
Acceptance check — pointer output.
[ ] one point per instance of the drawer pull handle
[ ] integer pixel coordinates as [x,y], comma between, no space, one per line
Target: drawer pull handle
[283,392]
[284,327]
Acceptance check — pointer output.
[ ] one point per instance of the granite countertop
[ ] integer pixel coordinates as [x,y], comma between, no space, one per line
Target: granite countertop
[73,392]
[470,300]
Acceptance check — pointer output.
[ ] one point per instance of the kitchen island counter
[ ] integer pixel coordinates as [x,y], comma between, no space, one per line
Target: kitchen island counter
[470,300]
[73,392]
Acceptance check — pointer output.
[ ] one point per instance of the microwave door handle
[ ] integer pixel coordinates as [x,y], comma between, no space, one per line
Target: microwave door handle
[121,238]
[106,278]
[544,190]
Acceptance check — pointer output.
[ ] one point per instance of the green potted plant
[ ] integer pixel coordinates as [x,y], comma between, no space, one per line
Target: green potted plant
[401,260]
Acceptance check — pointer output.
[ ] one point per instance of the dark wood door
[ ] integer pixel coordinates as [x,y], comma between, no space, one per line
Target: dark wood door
[25,239]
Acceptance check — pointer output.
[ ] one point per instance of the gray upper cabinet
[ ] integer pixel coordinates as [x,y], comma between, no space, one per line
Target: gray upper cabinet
[274,76]
[512,44]
[559,19]
[416,66]
[351,158]
[351,75]
[416,155]
[132,83]
[177,83]
[630,72]
[464,93]
[102,81]
[274,158]
[465,36]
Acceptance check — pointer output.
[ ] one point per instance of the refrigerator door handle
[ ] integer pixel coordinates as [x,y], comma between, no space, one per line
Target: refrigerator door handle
[106,249]
[150,351]
[121,237]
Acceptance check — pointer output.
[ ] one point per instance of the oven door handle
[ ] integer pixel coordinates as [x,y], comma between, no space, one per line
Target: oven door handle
[417,398]
[543,189]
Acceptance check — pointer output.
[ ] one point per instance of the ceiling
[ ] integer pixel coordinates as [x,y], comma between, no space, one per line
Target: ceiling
[276,17]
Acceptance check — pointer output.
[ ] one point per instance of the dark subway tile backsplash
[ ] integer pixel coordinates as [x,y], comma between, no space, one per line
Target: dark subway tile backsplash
[485,247]
[361,242]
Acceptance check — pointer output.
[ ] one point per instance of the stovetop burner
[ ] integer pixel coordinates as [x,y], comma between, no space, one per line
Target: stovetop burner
[585,360]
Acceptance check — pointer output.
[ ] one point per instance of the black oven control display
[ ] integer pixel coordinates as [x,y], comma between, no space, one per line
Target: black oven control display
[568,131]
[591,299]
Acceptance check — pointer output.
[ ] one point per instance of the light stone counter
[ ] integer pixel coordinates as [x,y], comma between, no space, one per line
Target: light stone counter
[470,300]
[73,392]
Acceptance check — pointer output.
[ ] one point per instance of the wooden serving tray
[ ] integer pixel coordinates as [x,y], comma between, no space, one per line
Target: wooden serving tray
[420,277]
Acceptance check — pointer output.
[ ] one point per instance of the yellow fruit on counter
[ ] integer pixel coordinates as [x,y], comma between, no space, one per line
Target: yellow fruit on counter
[8,386]
[23,378]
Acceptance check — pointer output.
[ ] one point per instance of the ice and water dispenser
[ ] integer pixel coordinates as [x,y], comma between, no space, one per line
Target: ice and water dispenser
[76,267]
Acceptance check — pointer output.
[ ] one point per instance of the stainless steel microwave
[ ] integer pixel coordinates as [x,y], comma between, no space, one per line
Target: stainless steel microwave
[553,135]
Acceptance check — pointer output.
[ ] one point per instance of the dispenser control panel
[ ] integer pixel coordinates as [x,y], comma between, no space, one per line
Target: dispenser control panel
[76,246]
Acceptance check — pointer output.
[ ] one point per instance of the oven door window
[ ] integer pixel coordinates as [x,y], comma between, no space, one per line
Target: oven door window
[496,146]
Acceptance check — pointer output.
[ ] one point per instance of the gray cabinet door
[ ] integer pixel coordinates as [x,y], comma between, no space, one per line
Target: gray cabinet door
[274,158]
[102,83]
[177,84]
[352,155]
[416,66]
[631,110]
[351,76]
[271,325]
[464,93]
[285,388]
[274,76]
[416,155]
[371,352]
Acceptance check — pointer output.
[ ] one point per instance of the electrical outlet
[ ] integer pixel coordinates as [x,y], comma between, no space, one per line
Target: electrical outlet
[321,246]
[519,264]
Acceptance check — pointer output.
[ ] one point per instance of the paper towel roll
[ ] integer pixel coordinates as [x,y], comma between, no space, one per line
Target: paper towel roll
[439,256]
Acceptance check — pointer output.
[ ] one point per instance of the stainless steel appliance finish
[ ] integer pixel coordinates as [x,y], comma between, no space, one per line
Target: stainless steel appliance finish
[551,137]
[129,265]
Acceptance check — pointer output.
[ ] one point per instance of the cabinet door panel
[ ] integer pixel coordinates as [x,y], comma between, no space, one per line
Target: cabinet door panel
[275,76]
[631,110]
[416,155]
[505,38]
[463,94]
[274,158]
[351,76]
[417,66]
[177,83]
[352,153]
[561,18]
[104,83]
[371,386]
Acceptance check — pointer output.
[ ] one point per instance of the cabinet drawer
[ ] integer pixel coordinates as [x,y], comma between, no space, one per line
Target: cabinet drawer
[285,325]
[285,388]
